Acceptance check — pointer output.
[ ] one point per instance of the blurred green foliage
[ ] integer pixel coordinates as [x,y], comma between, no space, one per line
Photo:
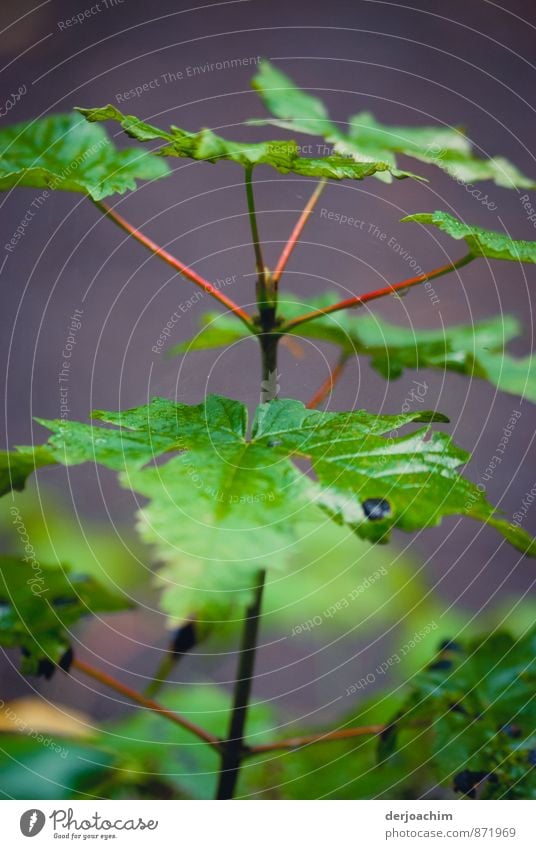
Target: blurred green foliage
[336,588]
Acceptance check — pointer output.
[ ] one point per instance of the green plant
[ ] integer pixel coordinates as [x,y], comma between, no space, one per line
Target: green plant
[231,503]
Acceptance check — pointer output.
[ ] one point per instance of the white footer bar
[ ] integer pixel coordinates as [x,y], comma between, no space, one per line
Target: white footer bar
[270,824]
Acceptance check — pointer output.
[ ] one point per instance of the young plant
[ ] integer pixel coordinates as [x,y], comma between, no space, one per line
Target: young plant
[230,503]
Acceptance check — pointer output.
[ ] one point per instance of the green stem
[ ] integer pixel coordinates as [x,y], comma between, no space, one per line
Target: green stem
[269,342]
[259,262]
[233,748]
[161,675]
[266,292]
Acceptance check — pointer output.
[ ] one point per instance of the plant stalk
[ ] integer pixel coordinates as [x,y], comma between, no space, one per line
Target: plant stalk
[296,233]
[143,701]
[233,748]
[161,675]
[324,390]
[310,739]
[269,342]
[175,263]
[392,289]
[259,261]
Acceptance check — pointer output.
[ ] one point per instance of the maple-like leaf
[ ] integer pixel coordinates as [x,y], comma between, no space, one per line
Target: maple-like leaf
[65,153]
[39,606]
[477,350]
[480,242]
[229,503]
[365,139]
[207,146]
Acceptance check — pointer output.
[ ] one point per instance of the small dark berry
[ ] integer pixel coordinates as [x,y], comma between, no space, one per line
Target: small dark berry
[449,645]
[467,781]
[184,639]
[376,508]
[441,664]
[388,740]
[66,659]
[512,730]
[45,668]
[456,707]
[61,601]
[531,757]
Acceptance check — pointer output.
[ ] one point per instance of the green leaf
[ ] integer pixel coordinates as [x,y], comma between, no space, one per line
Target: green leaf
[65,152]
[16,466]
[424,143]
[481,242]
[206,146]
[282,98]
[245,491]
[112,559]
[39,605]
[470,169]
[144,432]
[476,350]
[226,506]
[412,479]
[216,331]
[216,517]
[183,423]
[51,769]
[366,139]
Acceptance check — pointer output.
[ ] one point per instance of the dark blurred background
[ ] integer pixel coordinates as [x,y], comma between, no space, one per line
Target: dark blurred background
[468,63]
